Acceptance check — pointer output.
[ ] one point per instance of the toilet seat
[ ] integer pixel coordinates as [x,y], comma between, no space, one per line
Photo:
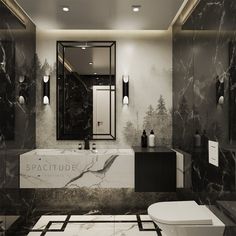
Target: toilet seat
[180,212]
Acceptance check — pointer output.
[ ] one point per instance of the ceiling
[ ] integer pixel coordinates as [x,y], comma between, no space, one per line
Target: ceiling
[102,14]
[9,19]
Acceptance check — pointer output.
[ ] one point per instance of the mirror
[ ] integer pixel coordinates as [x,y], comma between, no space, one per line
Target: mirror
[86,90]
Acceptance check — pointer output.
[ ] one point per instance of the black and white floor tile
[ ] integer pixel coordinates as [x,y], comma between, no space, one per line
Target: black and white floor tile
[90,225]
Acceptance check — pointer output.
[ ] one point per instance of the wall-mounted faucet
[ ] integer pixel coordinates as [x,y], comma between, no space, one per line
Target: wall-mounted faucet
[86,143]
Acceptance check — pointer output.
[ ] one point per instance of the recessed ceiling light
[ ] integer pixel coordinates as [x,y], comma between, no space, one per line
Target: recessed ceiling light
[90,63]
[83,48]
[136,8]
[66,9]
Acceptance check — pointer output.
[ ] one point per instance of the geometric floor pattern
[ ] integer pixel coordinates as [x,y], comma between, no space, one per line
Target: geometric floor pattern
[95,225]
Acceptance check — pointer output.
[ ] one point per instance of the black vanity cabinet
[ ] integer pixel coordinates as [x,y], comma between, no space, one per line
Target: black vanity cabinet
[155,169]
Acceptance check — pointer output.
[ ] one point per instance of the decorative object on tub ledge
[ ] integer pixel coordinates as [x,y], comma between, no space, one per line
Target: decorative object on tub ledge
[151,139]
[220,90]
[197,139]
[46,89]
[144,139]
[125,79]
[86,143]
[23,92]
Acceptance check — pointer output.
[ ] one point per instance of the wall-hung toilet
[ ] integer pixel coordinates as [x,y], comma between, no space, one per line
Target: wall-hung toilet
[185,218]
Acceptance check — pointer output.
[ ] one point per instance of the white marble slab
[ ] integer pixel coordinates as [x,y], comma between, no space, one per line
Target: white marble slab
[92,218]
[71,168]
[131,229]
[88,229]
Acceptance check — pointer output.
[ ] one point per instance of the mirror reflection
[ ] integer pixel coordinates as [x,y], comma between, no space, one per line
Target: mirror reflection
[86,90]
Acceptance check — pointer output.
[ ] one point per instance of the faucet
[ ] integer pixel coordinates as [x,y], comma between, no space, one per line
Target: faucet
[86,143]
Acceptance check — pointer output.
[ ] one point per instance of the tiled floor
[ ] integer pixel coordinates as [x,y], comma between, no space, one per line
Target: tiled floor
[93,225]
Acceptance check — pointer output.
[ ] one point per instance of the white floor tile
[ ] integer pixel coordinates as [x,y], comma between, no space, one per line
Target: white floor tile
[92,218]
[131,229]
[125,217]
[87,229]
[56,226]
[145,217]
[148,225]
[34,234]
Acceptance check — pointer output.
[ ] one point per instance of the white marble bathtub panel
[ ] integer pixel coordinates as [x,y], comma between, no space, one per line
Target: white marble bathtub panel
[106,170]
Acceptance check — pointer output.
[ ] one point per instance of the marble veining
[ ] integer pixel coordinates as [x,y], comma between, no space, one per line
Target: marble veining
[43,168]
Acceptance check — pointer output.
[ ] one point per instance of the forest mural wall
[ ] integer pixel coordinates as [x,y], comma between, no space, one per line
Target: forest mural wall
[158,119]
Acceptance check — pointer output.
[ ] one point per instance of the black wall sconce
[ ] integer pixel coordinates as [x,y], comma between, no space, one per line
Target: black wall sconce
[46,89]
[125,79]
[220,90]
[23,92]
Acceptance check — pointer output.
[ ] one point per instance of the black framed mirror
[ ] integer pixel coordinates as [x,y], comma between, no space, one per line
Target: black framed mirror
[86,90]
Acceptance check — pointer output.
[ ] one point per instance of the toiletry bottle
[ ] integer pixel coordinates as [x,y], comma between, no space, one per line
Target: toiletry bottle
[144,139]
[197,139]
[151,139]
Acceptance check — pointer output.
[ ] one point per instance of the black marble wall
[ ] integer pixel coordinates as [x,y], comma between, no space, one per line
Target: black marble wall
[17,121]
[201,58]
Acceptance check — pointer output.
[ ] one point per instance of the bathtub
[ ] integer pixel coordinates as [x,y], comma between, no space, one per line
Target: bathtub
[72,168]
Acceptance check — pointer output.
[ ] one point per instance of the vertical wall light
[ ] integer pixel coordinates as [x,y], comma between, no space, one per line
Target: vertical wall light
[46,89]
[23,92]
[125,79]
[220,90]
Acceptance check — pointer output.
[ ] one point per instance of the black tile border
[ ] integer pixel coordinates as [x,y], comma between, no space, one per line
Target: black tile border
[140,225]
[67,220]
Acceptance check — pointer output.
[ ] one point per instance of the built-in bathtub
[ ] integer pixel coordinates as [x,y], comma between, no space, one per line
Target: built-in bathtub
[72,168]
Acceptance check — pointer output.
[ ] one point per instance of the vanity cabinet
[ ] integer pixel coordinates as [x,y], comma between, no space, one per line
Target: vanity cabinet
[155,169]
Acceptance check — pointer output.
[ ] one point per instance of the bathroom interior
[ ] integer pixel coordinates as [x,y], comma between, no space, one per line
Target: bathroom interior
[80,82]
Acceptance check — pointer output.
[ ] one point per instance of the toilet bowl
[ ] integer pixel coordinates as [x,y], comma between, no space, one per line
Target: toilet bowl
[185,218]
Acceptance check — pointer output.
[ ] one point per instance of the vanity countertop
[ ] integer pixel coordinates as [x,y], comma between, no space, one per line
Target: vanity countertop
[159,149]
[77,152]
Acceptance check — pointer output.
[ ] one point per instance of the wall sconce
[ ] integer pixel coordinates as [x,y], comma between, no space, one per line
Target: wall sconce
[125,79]
[220,90]
[46,89]
[23,92]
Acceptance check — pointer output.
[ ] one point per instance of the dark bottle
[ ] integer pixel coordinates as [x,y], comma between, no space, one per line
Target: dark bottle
[197,139]
[144,139]
[86,143]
